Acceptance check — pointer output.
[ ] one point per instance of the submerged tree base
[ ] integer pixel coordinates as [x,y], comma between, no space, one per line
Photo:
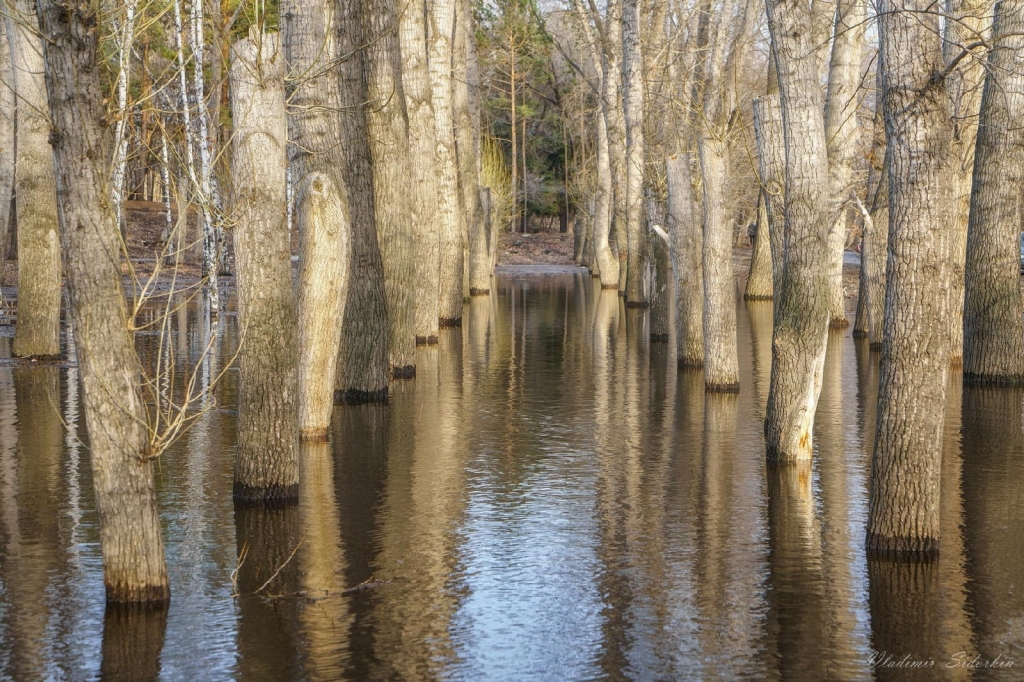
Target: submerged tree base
[1008,380]
[690,364]
[860,334]
[756,297]
[406,372]
[838,323]
[722,388]
[449,322]
[902,548]
[426,340]
[274,494]
[637,304]
[479,292]
[354,396]
[321,435]
[152,596]
[659,338]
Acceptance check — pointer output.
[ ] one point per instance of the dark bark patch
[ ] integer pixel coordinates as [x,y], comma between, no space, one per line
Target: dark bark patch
[875,345]
[473,291]
[354,396]
[274,494]
[972,379]
[120,593]
[407,372]
[637,304]
[838,323]
[659,338]
[449,322]
[609,286]
[755,297]
[905,549]
[314,436]
[860,334]
[426,340]
[722,388]
[690,364]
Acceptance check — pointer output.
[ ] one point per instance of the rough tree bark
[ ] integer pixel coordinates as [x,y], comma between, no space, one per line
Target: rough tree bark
[388,126]
[266,460]
[39,270]
[687,237]
[873,235]
[968,24]
[363,362]
[759,276]
[450,216]
[423,167]
[616,125]
[315,159]
[993,310]
[661,291]
[841,135]
[799,337]
[7,114]
[633,86]
[465,79]
[904,495]
[115,408]
[771,162]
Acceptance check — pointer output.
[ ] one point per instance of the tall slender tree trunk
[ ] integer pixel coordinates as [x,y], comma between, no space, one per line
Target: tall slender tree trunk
[968,23]
[125,39]
[7,115]
[799,337]
[423,167]
[388,127]
[759,276]
[841,135]
[450,216]
[363,361]
[771,161]
[904,497]
[686,232]
[39,269]
[266,461]
[616,124]
[467,144]
[661,286]
[322,215]
[633,85]
[115,407]
[873,234]
[993,310]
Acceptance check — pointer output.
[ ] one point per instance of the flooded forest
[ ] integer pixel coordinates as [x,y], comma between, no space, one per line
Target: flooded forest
[511,339]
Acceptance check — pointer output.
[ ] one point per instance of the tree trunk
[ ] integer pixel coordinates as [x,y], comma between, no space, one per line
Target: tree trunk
[771,162]
[633,82]
[316,159]
[450,216]
[467,143]
[721,363]
[799,337]
[759,277]
[841,134]
[687,239]
[993,311]
[967,22]
[39,269]
[7,115]
[872,232]
[661,289]
[363,362]
[616,124]
[423,167]
[115,407]
[388,126]
[904,506]
[266,462]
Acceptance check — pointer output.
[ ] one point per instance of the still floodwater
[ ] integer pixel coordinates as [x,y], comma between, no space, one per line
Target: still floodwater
[549,499]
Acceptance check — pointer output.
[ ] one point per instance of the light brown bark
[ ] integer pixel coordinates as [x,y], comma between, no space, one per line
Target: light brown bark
[759,276]
[7,115]
[465,82]
[388,128]
[633,85]
[873,235]
[771,160]
[266,460]
[661,287]
[904,506]
[39,268]
[686,232]
[115,407]
[993,309]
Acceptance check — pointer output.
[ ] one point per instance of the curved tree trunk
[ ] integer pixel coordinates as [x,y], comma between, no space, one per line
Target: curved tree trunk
[266,460]
[39,271]
[115,407]
[686,233]
[7,114]
[321,204]
[423,167]
[633,81]
[799,337]
[388,126]
[904,507]
[771,162]
[993,310]
[450,216]
[968,21]
[759,277]
[363,362]
[842,138]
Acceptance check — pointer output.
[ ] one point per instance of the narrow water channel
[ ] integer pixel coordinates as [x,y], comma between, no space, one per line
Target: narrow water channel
[550,499]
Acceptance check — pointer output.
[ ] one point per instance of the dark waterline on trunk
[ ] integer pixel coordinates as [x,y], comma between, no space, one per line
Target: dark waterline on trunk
[549,498]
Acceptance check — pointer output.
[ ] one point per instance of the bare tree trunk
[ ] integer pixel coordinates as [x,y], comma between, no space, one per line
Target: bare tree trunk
[363,362]
[316,159]
[759,277]
[39,270]
[904,506]
[266,462]
[125,39]
[967,24]
[771,160]
[873,233]
[450,216]
[423,167]
[467,144]
[616,124]
[687,238]
[799,337]
[993,310]
[633,84]
[721,363]
[388,127]
[841,135]
[115,407]
[7,115]
[661,289]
